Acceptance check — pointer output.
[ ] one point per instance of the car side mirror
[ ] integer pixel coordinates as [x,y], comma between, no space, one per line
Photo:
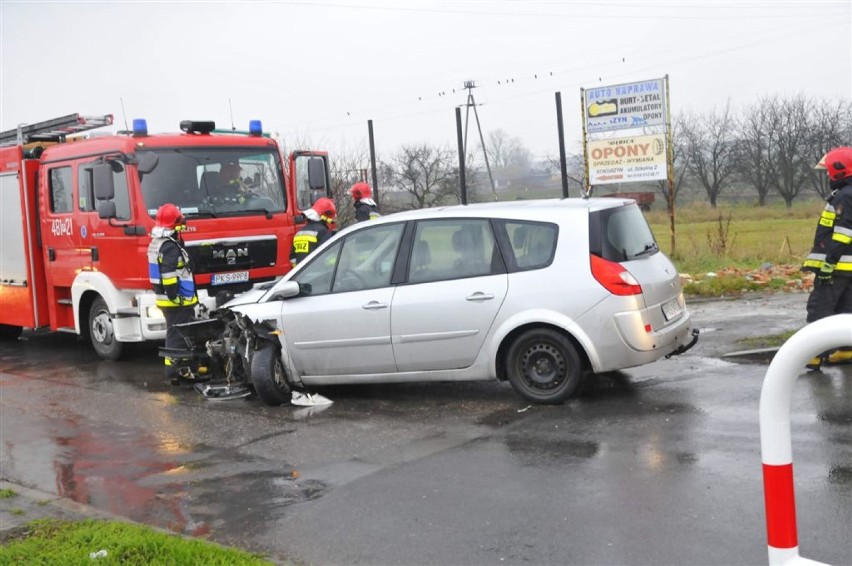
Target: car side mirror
[286,290]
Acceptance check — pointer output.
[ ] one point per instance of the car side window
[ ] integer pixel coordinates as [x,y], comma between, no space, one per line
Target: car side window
[453,249]
[367,258]
[533,243]
[316,277]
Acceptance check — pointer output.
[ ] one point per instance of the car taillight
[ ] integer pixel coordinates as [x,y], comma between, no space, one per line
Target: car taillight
[614,277]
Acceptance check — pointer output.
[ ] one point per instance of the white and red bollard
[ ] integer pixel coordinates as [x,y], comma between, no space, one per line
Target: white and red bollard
[775,443]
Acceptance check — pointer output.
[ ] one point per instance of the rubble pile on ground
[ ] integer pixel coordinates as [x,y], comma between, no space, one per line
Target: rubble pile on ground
[794,279]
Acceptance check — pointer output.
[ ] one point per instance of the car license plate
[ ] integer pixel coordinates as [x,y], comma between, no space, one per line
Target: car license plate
[672,309]
[233,277]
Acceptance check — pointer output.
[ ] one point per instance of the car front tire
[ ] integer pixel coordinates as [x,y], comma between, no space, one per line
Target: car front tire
[544,367]
[268,375]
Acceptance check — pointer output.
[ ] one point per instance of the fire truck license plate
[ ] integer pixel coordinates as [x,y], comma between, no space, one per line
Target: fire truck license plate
[672,309]
[233,277]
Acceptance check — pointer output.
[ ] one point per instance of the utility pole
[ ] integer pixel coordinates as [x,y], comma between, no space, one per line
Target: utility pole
[471,103]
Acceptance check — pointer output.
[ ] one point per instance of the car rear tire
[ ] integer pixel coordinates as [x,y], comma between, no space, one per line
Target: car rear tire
[269,377]
[544,367]
[102,333]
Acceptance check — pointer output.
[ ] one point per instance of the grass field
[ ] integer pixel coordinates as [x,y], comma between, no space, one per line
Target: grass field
[54,542]
[739,237]
[736,243]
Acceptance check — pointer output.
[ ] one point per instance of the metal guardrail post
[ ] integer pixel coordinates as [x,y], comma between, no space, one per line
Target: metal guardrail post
[775,441]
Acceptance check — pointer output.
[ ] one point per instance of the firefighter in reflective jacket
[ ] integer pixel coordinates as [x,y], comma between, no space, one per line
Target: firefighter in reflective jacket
[831,256]
[320,216]
[365,207]
[171,277]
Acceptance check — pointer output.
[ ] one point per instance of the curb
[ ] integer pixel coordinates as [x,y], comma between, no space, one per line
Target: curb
[29,504]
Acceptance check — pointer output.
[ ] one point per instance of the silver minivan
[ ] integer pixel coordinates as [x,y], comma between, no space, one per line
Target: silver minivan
[540,293]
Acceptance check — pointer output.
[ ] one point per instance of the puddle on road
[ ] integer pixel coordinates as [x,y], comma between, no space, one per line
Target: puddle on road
[188,489]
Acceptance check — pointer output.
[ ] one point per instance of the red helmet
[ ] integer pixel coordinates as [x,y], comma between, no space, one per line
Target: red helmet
[361,190]
[838,162]
[325,208]
[169,216]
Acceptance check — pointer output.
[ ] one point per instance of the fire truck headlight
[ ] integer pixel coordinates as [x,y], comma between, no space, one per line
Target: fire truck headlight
[154,311]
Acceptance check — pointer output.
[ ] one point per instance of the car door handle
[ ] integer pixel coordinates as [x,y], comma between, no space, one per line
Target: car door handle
[478,296]
[374,305]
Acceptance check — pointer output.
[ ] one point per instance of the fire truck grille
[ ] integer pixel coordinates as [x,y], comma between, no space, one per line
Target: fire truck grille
[233,256]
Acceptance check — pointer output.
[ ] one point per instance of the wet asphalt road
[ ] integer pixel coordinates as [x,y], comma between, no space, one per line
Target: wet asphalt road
[655,465]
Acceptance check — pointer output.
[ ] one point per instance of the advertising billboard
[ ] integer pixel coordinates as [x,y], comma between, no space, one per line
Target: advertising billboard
[629,105]
[627,160]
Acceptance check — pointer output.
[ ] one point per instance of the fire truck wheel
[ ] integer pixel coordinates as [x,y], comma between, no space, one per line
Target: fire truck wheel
[101,332]
[8,332]
[268,376]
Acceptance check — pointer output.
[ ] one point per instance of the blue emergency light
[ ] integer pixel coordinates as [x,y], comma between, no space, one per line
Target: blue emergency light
[255,128]
[140,127]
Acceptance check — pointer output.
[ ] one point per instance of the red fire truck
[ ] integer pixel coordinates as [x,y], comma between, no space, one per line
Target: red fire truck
[76,219]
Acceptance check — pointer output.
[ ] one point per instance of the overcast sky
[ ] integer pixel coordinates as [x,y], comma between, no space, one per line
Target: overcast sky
[317,70]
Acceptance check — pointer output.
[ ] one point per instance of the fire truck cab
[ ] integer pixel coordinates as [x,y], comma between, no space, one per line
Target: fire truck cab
[76,219]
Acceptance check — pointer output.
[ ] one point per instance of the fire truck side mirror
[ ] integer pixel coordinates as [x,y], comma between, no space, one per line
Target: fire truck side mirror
[103,182]
[316,174]
[148,162]
[106,209]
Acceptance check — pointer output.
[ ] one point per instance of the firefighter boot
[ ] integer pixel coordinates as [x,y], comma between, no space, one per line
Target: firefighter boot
[171,372]
[839,357]
[185,375]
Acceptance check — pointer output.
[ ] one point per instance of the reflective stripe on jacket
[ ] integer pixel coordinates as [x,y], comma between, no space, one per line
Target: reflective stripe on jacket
[833,236]
[307,240]
[169,273]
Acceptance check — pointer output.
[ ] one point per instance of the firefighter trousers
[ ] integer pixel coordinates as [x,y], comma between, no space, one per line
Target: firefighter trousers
[827,299]
[174,339]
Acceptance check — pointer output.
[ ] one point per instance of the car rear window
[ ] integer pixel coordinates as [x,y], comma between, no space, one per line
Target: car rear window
[621,233]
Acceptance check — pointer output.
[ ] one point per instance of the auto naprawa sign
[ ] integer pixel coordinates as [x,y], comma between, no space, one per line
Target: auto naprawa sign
[629,105]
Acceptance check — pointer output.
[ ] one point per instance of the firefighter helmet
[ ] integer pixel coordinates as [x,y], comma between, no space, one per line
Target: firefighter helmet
[170,217]
[361,190]
[838,163]
[325,208]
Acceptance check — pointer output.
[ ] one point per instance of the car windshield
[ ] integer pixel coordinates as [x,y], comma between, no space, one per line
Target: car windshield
[621,234]
[215,181]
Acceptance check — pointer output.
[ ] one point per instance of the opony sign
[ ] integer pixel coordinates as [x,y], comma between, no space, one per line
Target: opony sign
[625,160]
[630,105]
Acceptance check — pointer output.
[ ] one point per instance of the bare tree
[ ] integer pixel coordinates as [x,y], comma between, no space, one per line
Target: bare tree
[710,147]
[574,165]
[755,132]
[681,160]
[788,147]
[830,126]
[509,156]
[427,173]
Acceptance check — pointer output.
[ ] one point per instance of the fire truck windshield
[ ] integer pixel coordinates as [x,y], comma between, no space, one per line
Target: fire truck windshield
[215,181]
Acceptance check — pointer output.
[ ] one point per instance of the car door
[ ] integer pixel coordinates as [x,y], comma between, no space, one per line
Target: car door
[456,284]
[340,324]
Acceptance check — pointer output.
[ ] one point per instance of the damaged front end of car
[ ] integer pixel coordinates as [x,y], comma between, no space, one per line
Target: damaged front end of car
[229,356]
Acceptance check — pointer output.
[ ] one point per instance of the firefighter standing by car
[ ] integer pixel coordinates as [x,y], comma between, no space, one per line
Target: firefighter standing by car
[171,277]
[831,256]
[365,207]
[320,217]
